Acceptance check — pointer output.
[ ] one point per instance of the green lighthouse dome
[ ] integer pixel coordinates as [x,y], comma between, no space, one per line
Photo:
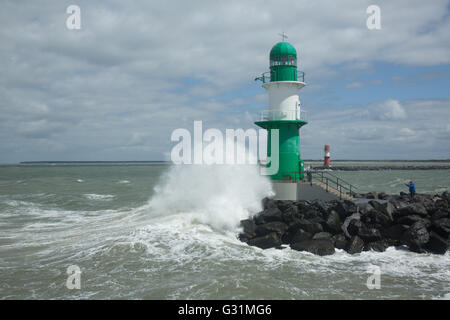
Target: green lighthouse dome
[283,62]
[283,49]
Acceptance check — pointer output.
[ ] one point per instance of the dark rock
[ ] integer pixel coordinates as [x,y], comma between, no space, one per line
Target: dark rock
[409,220]
[398,204]
[376,218]
[290,214]
[269,215]
[355,245]
[416,237]
[371,195]
[317,219]
[394,232]
[270,240]
[293,227]
[344,208]
[248,230]
[301,235]
[365,207]
[302,205]
[441,204]
[383,196]
[437,244]
[313,214]
[322,207]
[322,235]
[333,223]
[285,205]
[269,203]
[369,234]
[386,208]
[349,207]
[319,247]
[429,206]
[243,237]
[411,209]
[355,216]
[393,243]
[311,227]
[276,226]
[379,246]
[340,241]
[439,214]
[442,227]
[422,223]
[354,226]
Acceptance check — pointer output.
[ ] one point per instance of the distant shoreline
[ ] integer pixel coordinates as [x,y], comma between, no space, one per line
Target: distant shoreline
[60,162]
[164,161]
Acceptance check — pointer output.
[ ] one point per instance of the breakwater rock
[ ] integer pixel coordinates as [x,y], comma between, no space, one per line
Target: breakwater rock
[421,224]
[378,168]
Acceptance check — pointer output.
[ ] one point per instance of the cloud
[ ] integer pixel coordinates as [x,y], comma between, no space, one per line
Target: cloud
[116,88]
[387,110]
[406,132]
[423,134]
[355,85]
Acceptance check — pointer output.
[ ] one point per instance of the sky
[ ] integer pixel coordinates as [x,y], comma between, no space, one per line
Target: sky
[118,87]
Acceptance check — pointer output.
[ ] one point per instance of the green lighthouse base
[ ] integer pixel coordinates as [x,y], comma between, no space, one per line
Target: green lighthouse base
[290,165]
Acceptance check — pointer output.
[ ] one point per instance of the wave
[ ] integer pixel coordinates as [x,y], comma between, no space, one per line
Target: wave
[94,196]
[216,195]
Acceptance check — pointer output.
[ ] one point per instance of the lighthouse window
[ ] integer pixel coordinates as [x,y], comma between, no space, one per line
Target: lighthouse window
[283,61]
[292,61]
[273,62]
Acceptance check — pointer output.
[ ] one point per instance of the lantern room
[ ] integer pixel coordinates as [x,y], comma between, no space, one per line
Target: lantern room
[283,62]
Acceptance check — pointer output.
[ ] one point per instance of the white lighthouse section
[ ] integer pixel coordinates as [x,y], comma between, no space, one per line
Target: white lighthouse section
[284,103]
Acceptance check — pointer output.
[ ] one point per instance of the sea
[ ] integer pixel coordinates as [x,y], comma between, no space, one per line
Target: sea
[163,231]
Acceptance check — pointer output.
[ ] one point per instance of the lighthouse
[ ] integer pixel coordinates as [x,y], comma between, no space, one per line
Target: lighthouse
[326,159]
[285,115]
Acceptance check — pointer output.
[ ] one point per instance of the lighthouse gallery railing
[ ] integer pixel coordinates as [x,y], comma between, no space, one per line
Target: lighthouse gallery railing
[265,77]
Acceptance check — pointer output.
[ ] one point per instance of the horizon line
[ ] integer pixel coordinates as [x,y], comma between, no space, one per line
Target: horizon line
[168,161]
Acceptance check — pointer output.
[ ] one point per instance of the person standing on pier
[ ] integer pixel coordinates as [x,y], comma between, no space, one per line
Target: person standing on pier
[309,174]
[412,189]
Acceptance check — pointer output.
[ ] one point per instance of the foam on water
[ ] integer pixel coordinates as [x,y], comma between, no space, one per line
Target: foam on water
[177,242]
[183,244]
[93,196]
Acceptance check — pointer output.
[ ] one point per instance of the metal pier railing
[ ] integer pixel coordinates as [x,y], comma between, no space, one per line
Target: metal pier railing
[328,181]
